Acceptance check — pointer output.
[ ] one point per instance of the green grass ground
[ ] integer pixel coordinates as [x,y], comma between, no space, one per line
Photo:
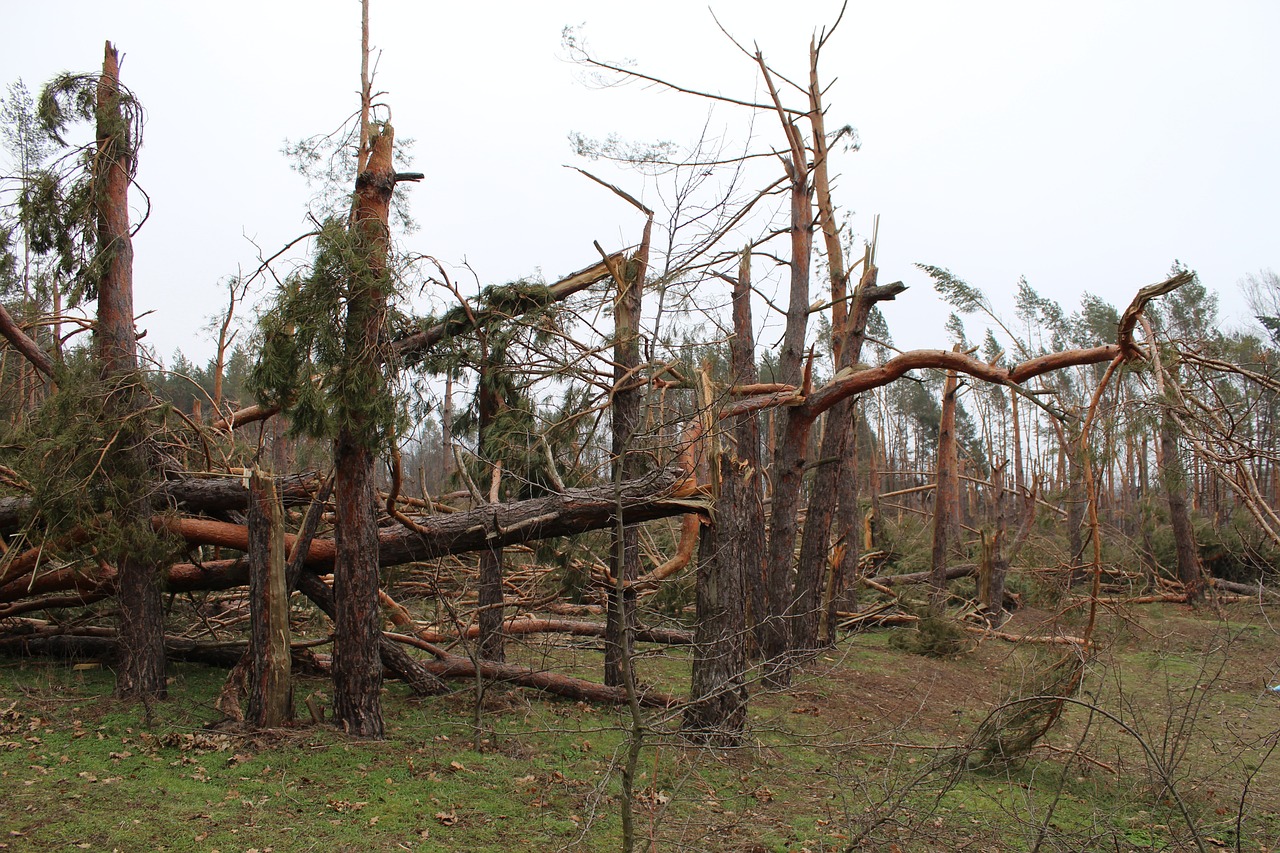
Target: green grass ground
[860,754]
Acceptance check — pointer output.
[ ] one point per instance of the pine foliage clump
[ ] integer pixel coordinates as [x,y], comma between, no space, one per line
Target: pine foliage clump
[307,365]
[88,461]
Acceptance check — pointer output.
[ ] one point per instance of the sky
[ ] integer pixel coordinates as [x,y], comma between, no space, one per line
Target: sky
[1083,145]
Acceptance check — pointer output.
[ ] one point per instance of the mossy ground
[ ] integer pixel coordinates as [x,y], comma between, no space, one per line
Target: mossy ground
[861,753]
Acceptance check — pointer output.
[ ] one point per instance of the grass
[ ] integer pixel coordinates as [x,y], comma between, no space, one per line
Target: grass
[861,753]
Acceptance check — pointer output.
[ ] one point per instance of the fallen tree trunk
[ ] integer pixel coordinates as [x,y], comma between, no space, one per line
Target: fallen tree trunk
[189,494]
[575,511]
[527,625]
[953,572]
[449,665]
[90,643]
[494,525]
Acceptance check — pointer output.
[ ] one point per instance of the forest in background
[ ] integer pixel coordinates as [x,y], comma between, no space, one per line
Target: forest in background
[615,444]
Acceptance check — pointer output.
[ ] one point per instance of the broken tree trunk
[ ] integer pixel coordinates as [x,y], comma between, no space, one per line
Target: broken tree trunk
[995,566]
[624,553]
[1186,551]
[837,443]
[730,558]
[141,673]
[271,690]
[489,592]
[357,671]
[947,494]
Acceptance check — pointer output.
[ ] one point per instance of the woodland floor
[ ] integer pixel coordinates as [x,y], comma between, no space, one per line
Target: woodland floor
[864,752]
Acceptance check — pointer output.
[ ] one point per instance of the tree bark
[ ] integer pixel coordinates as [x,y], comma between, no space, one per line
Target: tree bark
[946,495]
[357,672]
[271,691]
[624,555]
[995,566]
[489,592]
[210,495]
[717,712]
[141,673]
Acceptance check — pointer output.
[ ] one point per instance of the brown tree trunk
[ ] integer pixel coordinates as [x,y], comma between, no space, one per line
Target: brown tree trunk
[717,711]
[271,691]
[730,558]
[357,670]
[142,666]
[995,566]
[835,456]
[947,493]
[489,616]
[624,555]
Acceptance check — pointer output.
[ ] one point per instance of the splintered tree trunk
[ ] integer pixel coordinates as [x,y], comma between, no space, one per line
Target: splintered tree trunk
[947,493]
[846,529]
[995,566]
[141,641]
[357,670]
[271,693]
[730,559]
[624,556]
[1184,538]
[789,455]
[837,464]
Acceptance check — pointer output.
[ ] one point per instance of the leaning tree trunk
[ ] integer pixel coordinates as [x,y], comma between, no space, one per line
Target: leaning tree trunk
[141,640]
[624,555]
[834,492]
[357,669]
[946,495]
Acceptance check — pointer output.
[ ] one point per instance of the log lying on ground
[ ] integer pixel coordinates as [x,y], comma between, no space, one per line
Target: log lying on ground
[953,572]
[449,665]
[189,494]
[31,638]
[529,625]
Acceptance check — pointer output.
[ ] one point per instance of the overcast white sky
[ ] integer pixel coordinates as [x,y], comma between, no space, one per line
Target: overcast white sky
[1084,145]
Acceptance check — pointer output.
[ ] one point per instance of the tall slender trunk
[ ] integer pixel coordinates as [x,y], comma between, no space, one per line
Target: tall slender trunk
[624,556]
[730,558]
[357,668]
[142,672]
[836,465]
[946,494]
[492,643]
[789,455]
[995,566]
